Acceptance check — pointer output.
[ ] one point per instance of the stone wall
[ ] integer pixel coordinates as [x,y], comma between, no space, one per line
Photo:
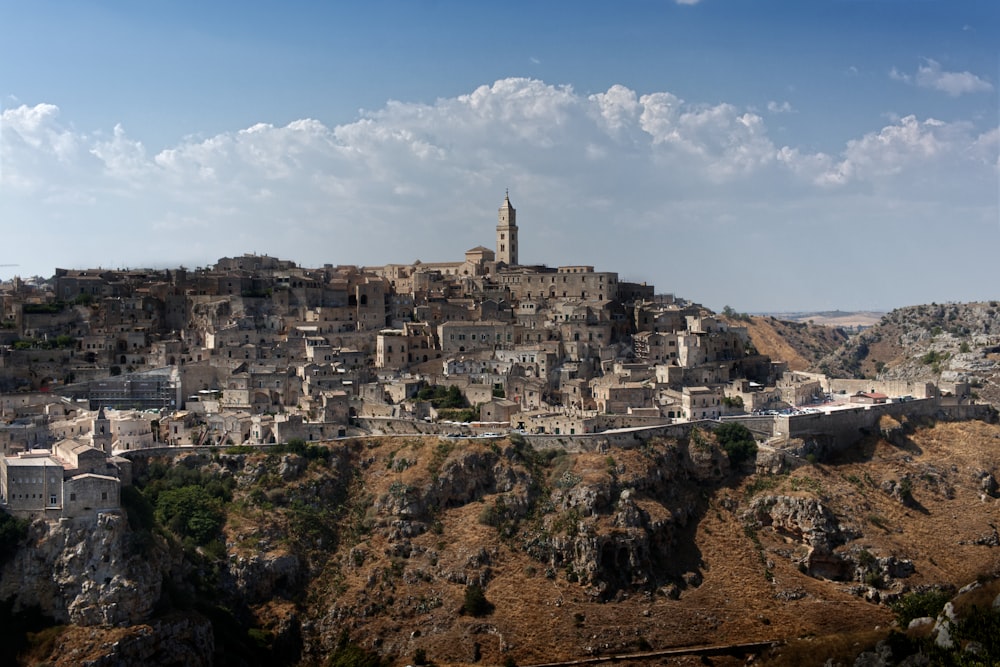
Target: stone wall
[915,388]
[845,427]
[624,438]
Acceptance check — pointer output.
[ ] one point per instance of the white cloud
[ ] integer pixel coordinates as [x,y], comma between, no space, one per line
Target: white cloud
[122,157]
[618,107]
[910,155]
[413,181]
[896,75]
[687,2]
[779,107]
[931,76]
[720,139]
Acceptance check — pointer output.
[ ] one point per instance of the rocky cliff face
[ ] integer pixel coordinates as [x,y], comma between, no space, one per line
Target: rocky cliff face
[85,572]
[576,554]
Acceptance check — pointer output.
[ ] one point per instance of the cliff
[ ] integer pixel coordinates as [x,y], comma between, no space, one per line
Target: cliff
[464,551]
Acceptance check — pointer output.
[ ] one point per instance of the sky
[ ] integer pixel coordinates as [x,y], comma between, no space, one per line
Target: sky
[769,155]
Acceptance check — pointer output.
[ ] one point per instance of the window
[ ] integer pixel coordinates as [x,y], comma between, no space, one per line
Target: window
[72,497]
[104,495]
[52,499]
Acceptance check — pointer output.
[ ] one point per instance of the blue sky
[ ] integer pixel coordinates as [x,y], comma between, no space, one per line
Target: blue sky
[769,155]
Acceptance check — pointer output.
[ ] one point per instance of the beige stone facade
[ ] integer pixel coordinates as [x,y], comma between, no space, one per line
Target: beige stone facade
[72,479]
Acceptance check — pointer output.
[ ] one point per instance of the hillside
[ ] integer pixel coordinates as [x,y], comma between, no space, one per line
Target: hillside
[938,342]
[488,552]
[801,344]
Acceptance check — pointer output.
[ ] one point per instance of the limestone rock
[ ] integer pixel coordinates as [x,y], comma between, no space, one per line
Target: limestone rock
[804,519]
[83,571]
[260,576]
[175,640]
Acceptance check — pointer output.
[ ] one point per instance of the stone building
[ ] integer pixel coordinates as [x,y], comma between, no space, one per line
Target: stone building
[564,282]
[70,480]
[457,337]
[702,402]
[396,349]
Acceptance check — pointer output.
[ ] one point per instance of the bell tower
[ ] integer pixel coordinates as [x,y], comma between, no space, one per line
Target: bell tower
[507,233]
[102,438]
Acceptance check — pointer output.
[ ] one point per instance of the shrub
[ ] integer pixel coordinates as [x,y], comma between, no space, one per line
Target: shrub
[349,654]
[190,511]
[874,579]
[982,625]
[933,357]
[733,401]
[475,603]
[442,397]
[738,442]
[918,604]
[261,639]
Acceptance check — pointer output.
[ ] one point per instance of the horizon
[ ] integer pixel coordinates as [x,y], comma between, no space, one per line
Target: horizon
[778,157]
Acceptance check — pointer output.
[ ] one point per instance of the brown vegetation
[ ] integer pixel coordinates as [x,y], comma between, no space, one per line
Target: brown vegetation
[422,523]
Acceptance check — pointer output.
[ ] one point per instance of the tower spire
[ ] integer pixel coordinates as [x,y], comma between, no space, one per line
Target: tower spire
[507,232]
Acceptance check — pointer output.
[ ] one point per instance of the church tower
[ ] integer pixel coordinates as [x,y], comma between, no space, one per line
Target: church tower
[507,233]
[102,438]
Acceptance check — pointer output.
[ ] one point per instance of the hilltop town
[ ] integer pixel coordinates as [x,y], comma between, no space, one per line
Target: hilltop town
[261,463]
[256,350]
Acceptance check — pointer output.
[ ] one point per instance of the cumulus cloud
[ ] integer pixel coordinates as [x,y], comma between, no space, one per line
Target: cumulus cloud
[931,76]
[411,181]
[908,151]
[779,107]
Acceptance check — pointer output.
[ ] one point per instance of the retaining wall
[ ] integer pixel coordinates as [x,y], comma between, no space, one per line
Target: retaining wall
[847,426]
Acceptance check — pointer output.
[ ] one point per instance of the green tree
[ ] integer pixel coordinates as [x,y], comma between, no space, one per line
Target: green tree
[454,398]
[191,512]
[65,341]
[737,440]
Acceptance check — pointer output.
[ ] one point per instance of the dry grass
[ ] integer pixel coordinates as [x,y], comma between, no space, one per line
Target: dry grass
[839,649]
[799,344]
[744,589]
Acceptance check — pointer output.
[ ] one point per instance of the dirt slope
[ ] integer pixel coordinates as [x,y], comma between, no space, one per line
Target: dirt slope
[801,344]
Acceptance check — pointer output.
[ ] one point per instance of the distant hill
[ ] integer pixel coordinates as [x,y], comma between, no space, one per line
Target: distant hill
[832,318]
[939,342]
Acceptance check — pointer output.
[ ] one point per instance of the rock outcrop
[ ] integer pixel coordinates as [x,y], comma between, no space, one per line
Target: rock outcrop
[86,572]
